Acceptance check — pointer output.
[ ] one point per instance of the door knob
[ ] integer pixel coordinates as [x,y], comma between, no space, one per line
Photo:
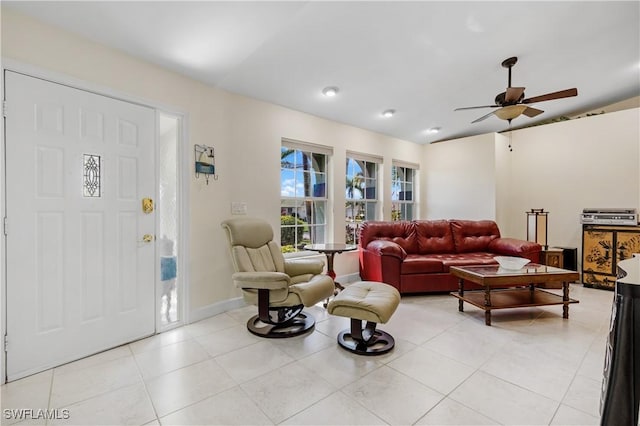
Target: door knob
[147,238]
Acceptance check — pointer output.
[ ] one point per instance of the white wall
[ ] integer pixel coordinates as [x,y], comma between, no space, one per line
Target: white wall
[567,166]
[245,133]
[459,179]
[502,153]
[562,167]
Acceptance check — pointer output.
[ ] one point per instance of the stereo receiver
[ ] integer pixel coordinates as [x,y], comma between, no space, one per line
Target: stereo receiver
[609,216]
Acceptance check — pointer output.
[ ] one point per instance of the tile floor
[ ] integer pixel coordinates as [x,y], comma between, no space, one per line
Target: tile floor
[531,367]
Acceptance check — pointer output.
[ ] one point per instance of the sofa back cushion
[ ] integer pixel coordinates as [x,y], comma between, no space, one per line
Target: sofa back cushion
[473,235]
[402,233]
[434,236]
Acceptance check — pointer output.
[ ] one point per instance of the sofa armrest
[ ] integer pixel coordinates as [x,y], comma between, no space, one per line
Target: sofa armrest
[516,247]
[381,261]
[261,280]
[386,248]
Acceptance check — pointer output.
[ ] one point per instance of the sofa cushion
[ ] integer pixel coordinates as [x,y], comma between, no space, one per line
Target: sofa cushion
[402,233]
[473,235]
[434,236]
[418,264]
[463,259]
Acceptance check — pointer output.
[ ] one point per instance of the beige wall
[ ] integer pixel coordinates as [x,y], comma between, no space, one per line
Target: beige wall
[246,135]
[459,179]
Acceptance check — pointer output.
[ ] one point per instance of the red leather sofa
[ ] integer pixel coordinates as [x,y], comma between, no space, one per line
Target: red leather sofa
[415,256]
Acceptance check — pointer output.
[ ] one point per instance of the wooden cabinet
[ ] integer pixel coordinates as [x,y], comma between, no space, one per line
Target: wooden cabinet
[551,257]
[603,246]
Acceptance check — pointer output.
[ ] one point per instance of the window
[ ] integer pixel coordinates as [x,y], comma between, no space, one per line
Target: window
[91,175]
[303,193]
[361,193]
[403,192]
[168,213]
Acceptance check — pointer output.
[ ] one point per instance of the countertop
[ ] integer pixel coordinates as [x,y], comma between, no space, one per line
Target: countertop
[629,277]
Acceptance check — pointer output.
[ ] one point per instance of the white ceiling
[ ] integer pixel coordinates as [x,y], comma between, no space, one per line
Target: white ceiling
[423,59]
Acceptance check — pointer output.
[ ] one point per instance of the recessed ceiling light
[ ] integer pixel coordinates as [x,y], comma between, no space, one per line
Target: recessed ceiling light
[330,91]
[389,113]
[433,130]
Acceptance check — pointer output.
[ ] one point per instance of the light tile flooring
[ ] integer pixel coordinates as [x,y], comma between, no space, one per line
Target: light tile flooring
[531,367]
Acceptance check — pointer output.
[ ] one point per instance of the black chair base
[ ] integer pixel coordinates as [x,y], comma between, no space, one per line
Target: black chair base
[365,341]
[300,324]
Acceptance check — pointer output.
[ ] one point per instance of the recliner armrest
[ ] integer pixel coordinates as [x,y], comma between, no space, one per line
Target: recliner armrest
[386,248]
[264,280]
[303,266]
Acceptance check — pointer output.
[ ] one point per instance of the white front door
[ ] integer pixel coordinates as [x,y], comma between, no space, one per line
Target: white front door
[80,277]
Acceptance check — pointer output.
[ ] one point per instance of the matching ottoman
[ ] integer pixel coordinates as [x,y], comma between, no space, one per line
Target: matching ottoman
[368,301]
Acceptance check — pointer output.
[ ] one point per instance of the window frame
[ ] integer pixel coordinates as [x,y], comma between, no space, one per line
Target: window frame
[313,198]
[400,206]
[370,166]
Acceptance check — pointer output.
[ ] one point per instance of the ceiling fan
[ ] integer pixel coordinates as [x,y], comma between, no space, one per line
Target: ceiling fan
[512,102]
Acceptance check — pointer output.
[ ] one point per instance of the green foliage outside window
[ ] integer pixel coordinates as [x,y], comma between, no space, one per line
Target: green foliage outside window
[303,192]
[288,231]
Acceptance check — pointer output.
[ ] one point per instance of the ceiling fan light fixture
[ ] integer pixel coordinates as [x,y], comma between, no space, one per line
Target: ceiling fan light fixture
[512,103]
[389,113]
[510,112]
[330,91]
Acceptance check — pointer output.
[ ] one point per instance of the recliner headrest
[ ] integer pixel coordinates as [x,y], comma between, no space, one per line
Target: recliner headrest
[248,232]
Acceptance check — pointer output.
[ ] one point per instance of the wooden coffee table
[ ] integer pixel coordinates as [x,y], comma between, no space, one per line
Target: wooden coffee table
[512,288]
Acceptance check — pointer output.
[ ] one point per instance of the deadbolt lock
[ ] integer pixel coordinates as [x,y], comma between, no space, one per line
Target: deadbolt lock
[147,205]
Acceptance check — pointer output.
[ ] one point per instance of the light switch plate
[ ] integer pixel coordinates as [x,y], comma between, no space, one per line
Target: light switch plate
[238,207]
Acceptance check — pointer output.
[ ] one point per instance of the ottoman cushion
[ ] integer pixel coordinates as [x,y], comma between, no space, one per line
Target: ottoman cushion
[367,301]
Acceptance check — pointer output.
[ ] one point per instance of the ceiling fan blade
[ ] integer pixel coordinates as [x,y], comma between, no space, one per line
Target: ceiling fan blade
[476,107]
[483,117]
[550,96]
[513,94]
[532,112]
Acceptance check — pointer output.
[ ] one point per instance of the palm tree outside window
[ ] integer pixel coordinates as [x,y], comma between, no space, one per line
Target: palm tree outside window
[303,194]
[361,192]
[402,193]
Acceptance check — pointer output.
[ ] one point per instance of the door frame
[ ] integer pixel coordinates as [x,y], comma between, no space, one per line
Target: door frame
[8,64]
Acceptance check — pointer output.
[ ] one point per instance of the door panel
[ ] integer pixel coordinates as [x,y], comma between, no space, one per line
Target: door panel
[79,277]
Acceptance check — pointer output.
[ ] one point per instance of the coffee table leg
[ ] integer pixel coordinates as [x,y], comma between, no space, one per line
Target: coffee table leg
[487,305]
[461,294]
[565,299]
[532,292]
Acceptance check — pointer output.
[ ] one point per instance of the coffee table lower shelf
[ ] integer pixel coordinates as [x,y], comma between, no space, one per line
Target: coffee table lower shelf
[512,298]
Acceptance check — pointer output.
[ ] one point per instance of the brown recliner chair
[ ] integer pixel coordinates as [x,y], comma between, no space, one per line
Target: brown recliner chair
[280,287]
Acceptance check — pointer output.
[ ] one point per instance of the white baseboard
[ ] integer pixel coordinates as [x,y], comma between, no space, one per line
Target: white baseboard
[348,279]
[238,302]
[215,309]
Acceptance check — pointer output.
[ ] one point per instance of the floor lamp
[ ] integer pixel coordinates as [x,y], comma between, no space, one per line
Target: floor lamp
[537,227]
